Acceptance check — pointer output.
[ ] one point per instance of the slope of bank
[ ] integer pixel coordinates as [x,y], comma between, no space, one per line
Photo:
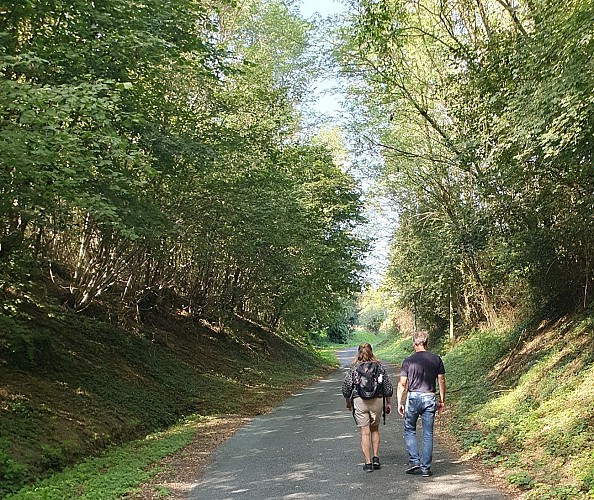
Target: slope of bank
[521,400]
[72,386]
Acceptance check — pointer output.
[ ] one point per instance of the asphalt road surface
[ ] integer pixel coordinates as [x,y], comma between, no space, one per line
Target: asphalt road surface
[309,448]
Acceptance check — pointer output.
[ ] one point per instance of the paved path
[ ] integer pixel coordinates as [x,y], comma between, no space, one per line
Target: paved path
[309,448]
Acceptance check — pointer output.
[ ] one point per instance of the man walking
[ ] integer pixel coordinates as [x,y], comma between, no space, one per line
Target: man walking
[419,374]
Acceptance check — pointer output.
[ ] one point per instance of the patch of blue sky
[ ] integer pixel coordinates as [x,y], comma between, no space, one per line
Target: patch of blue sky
[325,109]
[322,7]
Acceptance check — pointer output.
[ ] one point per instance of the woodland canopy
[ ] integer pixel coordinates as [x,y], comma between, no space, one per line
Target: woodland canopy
[156,152]
[153,152]
[483,112]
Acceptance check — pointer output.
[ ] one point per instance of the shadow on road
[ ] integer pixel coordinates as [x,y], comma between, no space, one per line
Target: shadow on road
[309,448]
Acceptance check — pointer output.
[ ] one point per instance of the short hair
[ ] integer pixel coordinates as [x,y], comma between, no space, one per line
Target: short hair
[420,338]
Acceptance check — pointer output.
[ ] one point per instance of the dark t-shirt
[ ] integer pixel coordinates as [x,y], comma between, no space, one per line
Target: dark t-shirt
[421,370]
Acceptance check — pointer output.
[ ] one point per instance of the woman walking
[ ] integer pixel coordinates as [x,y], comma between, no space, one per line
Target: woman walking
[367,389]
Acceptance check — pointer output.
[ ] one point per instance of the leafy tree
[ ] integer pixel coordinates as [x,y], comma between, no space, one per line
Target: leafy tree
[153,152]
[484,147]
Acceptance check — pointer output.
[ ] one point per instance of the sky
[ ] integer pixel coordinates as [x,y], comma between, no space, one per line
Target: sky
[323,7]
[329,103]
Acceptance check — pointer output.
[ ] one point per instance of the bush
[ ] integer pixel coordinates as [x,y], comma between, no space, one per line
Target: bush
[11,473]
[338,332]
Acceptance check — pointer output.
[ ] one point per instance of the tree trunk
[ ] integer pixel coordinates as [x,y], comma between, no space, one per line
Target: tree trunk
[451,318]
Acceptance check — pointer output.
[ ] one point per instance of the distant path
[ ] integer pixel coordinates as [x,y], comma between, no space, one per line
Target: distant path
[309,448]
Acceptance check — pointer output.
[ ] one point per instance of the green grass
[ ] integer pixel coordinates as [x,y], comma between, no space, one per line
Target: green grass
[73,387]
[394,349]
[530,415]
[79,396]
[328,354]
[356,337]
[360,336]
[114,474]
[327,350]
[523,405]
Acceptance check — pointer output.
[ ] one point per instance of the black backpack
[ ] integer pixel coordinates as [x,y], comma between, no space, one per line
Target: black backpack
[367,379]
[368,384]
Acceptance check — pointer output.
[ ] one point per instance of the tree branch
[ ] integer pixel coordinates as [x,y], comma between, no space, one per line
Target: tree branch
[512,12]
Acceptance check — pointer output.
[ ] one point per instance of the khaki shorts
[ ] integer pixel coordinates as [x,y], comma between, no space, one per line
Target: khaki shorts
[368,411]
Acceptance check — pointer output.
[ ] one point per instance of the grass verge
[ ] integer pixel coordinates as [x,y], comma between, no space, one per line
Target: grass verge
[521,401]
[114,474]
[78,396]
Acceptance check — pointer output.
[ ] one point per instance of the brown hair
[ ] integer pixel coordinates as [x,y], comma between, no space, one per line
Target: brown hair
[365,353]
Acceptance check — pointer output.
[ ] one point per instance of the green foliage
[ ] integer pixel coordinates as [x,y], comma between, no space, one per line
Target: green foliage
[52,458]
[394,349]
[484,149]
[338,333]
[328,355]
[522,480]
[115,473]
[340,325]
[11,472]
[359,336]
[467,362]
[547,492]
[372,310]
[32,350]
[151,157]
[372,319]
[520,401]
[73,386]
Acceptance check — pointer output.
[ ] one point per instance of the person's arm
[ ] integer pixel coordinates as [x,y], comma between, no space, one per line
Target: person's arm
[388,390]
[442,392]
[347,388]
[403,382]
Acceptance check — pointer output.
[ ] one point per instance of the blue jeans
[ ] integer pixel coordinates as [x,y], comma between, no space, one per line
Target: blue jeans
[422,405]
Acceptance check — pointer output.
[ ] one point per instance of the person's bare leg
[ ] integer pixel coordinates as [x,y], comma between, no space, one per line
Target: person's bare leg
[365,443]
[375,440]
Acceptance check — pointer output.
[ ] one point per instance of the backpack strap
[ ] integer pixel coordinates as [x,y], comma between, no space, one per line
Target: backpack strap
[383,402]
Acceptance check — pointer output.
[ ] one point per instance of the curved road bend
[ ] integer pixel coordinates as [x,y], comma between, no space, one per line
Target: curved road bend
[309,448]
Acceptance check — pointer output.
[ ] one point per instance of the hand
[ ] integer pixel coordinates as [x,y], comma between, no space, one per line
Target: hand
[440,407]
[401,410]
[348,405]
[388,408]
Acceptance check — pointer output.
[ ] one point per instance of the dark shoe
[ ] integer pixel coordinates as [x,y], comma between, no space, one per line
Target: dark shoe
[426,473]
[375,462]
[413,469]
[368,468]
